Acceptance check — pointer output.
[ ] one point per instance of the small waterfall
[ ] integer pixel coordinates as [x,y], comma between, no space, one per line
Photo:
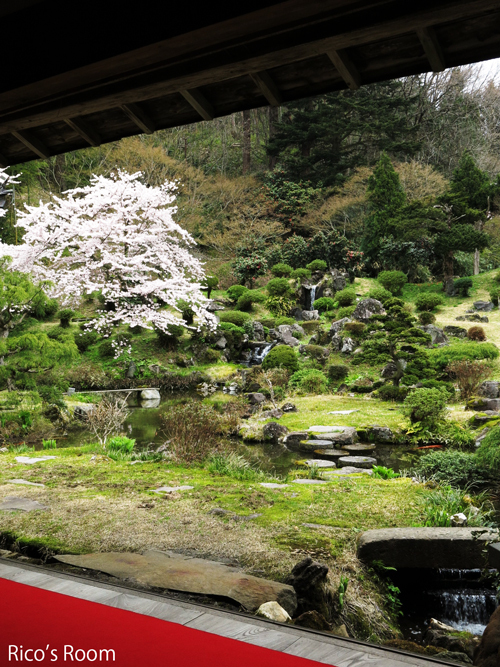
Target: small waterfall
[260,353]
[312,297]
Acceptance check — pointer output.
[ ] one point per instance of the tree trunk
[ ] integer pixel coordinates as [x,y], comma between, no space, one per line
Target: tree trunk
[447,269]
[273,119]
[246,141]
[476,262]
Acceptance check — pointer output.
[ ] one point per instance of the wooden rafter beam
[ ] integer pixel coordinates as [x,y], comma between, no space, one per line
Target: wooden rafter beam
[139,117]
[268,88]
[82,128]
[346,68]
[199,102]
[432,48]
[31,142]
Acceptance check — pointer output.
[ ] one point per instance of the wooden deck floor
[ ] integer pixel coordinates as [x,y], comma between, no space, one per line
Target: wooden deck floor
[246,628]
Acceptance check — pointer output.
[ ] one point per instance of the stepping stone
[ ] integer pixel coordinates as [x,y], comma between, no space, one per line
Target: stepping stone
[331,454]
[272,485]
[347,436]
[311,445]
[172,489]
[359,448]
[23,481]
[357,461]
[13,503]
[326,429]
[309,481]
[248,517]
[168,570]
[342,412]
[347,471]
[319,463]
[30,460]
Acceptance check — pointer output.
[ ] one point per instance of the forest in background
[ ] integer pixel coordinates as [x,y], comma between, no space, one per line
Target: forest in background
[251,180]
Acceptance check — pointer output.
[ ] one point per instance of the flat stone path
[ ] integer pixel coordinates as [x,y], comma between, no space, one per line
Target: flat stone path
[322,647]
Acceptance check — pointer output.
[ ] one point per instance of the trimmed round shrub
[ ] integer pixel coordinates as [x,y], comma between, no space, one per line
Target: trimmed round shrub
[65,316]
[428,301]
[317,265]
[210,283]
[84,340]
[391,393]
[269,322]
[186,311]
[310,326]
[60,333]
[310,381]
[462,286]
[247,299]
[451,467]
[278,287]
[280,306]
[345,312]
[300,274]
[284,320]
[170,338]
[337,372]
[354,328]
[281,356]
[323,304]
[345,297]
[229,326]
[393,281]
[495,295]
[488,453]
[443,356]
[233,316]
[235,291]
[476,333]
[379,293]
[281,270]
[426,318]
[106,349]
[426,406]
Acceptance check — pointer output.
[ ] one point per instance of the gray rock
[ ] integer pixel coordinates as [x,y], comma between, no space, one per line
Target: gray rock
[13,503]
[325,429]
[450,287]
[348,470]
[150,403]
[272,414]
[342,412]
[273,612]
[457,332]
[289,407]
[172,571]
[336,342]
[484,404]
[484,306]
[308,315]
[221,343]
[331,454]
[348,346]
[30,460]
[367,308]
[292,440]
[457,548]
[459,519]
[338,325]
[132,370]
[319,463]
[213,306]
[437,335]
[489,389]
[297,329]
[309,481]
[472,318]
[339,283]
[347,436]
[380,434]
[312,445]
[172,489]
[155,368]
[258,332]
[284,335]
[359,448]
[256,398]
[274,432]
[273,485]
[357,461]
[150,394]
[81,411]
[23,481]
[389,370]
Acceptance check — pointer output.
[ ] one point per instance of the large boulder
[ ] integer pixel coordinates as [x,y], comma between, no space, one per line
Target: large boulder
[82,411]
[367,308]
[489,389]
[310,581]
[258,332]
[488,651]
[256,398]
[274,432]
[292,440]
[389,370]
[483,404]
[150,394]
[284,334]
[338,437]
[307,315]
[336,342]
[338,325]
[339,283]
[348,346]
[438,337]
[457,332]
[485,306]
[380,434]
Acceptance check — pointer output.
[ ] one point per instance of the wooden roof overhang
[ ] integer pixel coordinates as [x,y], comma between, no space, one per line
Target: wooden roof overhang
[82,74]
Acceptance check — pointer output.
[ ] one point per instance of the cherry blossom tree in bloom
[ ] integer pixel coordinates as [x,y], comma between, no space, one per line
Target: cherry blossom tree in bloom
[118,236]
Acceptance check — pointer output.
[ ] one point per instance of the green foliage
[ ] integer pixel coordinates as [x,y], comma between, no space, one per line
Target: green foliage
[170,338]
[381,472]
[186,311]
[476,333]
[278,287]
[324,303]
[234,317]
[393,281]
[65,316]
[49,444]
[379,293]
[281,356]
[462,286]
[284,320]
[210,283]
[42,307]
[120,443]
[279,305]
[235,291]
[270,322]
[342,590]
[356,329]
[488,453]
[345,312]
[248,298]
[300,274]
[106,349]
[442,503]
[310,381]
[425,406]
[443,356]
[282,270]
[249,265]
[337,372]
[84,340]
[345,297]
[495,295]
[317,265]
[391,393]
[452,467]
[51,394]
[426,317]
[229,326]
[428,301]
[234,466]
